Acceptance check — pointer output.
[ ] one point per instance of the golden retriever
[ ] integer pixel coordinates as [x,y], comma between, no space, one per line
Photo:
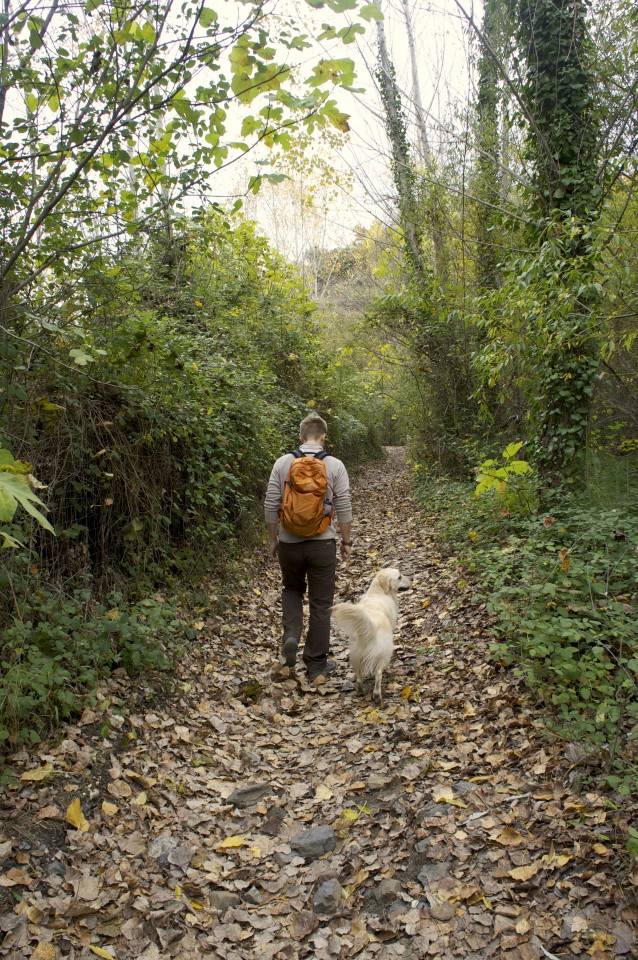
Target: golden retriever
[370,624]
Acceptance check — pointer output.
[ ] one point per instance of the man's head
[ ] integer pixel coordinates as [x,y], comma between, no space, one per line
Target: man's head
[312,429]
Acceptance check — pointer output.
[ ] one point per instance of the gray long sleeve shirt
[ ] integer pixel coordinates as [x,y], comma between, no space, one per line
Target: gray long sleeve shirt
[338,489]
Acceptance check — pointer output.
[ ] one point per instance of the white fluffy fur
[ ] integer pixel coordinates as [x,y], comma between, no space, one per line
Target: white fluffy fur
[370,626]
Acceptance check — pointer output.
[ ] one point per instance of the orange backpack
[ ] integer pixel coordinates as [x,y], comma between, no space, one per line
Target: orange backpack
[303,510]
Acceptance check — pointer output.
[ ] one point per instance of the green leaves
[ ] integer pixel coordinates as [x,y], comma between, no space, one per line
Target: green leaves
[500,478]
[15,491]
[337,72]
[370,11]
[207,17]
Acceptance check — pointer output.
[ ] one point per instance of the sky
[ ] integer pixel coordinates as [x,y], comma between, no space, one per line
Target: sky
[362,185]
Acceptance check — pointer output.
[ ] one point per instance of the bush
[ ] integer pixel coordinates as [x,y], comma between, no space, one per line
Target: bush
[59,646]
[204,355]
[561,583]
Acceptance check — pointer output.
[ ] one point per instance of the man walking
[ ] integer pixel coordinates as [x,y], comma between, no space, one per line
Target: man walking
[309,561]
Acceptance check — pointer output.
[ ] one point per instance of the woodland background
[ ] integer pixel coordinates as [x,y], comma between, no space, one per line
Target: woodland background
[157,351]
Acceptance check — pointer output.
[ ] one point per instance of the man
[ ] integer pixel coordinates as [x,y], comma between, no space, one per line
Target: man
[310,561]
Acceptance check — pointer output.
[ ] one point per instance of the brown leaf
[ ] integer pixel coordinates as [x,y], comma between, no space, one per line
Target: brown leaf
[44,951]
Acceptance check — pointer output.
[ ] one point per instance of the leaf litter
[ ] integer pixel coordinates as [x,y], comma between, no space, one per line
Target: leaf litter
[254,814]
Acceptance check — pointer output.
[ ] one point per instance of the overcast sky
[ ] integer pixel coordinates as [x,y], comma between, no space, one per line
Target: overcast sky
[442,43]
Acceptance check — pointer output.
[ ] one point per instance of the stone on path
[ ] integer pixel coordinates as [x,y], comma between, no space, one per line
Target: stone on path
[167,850]
[223,900]
[313,843]
[327,898]
[250,794]
[383,897]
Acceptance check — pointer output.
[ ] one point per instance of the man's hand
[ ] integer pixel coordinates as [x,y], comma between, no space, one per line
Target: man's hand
[346,551]
[272,541]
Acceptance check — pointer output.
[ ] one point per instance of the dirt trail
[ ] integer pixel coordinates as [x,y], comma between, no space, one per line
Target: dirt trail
[246,818]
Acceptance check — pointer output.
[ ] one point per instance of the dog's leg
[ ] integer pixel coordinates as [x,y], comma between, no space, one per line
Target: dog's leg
[376,693]
[360,688]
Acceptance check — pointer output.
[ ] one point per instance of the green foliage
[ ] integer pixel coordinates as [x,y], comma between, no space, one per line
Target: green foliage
[509,479]
[16,487]
[112,113]
[561,585]
[539,340]
[57,646]
[204,354]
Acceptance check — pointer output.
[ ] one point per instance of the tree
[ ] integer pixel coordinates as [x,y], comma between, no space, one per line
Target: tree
[113,112]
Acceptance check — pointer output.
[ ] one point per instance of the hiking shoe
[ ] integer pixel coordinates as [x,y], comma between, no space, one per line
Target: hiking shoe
[325,670]
[289,651]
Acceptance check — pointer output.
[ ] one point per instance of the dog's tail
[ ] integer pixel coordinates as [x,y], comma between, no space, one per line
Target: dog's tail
[354,621]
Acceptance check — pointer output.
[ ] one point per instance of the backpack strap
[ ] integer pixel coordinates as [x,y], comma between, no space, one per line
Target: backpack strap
[320,455]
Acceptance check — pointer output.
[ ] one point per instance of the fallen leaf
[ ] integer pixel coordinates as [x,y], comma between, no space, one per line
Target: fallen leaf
[509,837]
[75,817]
[231,843]
[37,775]
[346,818]
[323,792]
[109,809]
[446,795]
[100,952]
[526,872]
[44,951]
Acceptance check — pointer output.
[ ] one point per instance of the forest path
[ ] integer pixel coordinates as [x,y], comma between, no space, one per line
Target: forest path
[441,824]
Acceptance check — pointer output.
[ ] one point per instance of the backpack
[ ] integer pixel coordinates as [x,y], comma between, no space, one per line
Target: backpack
[303,508]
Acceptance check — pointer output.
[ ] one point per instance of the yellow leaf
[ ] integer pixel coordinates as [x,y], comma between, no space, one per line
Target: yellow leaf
[76,818]
[231,843]
[346,818]
[563,556]
[44,951]
[40,773]
[360,878]
[109,809]
[527,872]
[602,849]
[323,792]
[198,303]
[445,795]
[99,952]
[178,892]
[255,852]
[405,693]
[140,799]
[426,603]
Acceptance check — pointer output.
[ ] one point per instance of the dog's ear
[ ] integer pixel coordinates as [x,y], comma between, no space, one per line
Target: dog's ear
[384,580]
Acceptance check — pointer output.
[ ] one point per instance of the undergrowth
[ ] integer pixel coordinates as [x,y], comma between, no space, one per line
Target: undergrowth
[61,646]
[559,571]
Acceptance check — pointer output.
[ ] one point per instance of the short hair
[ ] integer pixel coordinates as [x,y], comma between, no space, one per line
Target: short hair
[312,427]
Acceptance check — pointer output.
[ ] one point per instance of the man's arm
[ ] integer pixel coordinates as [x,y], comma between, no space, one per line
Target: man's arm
[346,539]
[272,540]
[272,503]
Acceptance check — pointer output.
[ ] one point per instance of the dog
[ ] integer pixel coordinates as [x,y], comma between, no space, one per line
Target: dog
[370,624]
